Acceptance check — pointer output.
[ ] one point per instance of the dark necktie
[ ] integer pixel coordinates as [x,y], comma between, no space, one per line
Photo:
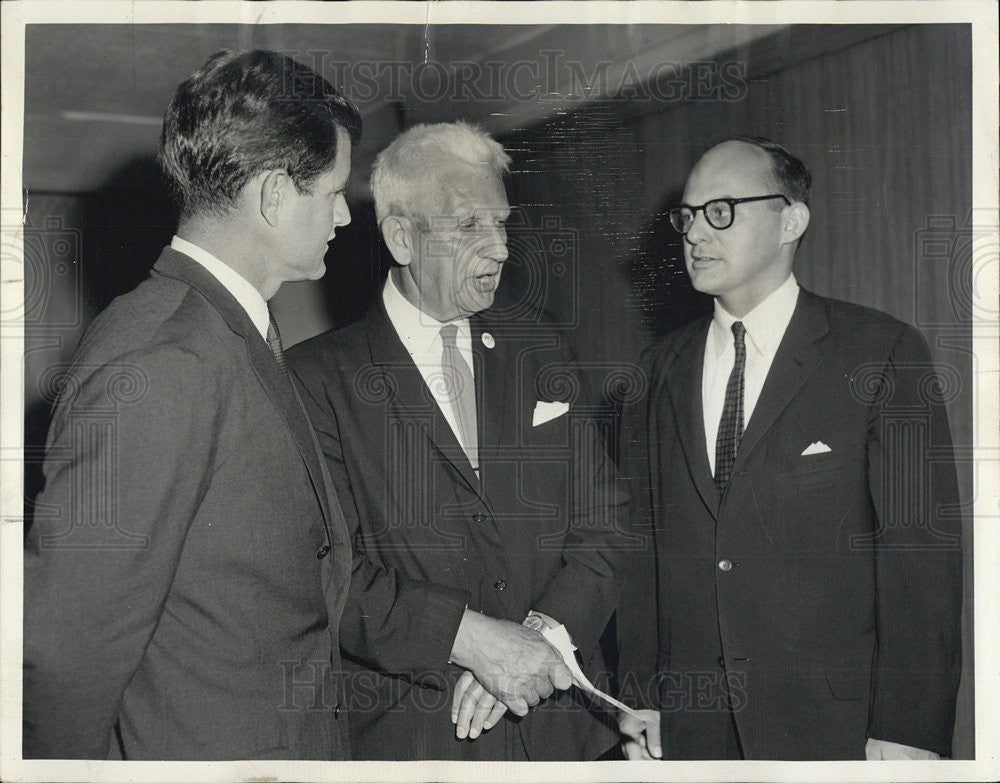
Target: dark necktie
[731,423]
[461,390]
[274,342]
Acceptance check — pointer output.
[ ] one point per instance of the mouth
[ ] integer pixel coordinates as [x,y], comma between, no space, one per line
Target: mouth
[487,281]
[700,261]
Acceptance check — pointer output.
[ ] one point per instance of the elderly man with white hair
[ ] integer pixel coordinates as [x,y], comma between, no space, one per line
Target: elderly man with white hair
[465,467]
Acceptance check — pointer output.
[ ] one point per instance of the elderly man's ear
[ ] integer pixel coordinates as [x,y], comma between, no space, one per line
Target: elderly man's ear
[400,236]
[796,220]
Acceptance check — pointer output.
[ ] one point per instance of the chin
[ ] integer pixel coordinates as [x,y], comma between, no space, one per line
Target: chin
[704,284]
[474,303]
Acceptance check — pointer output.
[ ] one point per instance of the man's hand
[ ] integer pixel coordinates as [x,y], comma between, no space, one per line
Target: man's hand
[473,708]
[515,664]
[883,750]
[641,738]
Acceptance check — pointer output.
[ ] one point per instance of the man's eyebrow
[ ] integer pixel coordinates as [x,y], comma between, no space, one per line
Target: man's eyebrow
[724,197]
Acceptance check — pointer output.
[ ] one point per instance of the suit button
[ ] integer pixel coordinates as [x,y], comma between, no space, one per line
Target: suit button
[336,712]
[499,585]
[722,662]
[725,565]
[478,518]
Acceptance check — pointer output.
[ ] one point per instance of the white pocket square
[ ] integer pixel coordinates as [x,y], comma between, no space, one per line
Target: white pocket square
[547,411]
[819,447]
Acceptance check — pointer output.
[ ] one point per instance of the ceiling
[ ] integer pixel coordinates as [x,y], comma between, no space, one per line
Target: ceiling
[95,94]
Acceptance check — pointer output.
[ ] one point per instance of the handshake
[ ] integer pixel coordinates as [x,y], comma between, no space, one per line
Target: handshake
[508,666]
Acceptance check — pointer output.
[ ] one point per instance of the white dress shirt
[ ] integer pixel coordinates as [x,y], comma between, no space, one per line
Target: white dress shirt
[765,326]
[241,288]
[421,335]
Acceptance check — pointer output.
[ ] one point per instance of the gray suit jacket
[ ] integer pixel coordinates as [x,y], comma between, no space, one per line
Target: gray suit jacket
[177,605]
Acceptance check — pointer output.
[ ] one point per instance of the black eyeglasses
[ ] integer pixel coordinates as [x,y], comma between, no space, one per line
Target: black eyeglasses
[719,212]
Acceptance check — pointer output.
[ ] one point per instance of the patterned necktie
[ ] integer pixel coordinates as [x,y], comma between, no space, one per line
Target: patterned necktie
[461,390]
[274,342]
[731,423]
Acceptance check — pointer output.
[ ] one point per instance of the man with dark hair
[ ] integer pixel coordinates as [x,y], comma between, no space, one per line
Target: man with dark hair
[189,563]
[244,113]
[792,463]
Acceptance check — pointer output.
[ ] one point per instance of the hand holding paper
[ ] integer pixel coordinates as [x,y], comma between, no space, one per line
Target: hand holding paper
[558,637]
[515,664]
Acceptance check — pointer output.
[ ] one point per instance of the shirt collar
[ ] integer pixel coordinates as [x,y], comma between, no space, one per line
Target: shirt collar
[765,325]
[237,285]
[420,332]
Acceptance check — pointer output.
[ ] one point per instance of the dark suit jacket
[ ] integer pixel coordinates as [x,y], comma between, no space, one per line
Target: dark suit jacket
[175,606]
[540,530]
[838,619]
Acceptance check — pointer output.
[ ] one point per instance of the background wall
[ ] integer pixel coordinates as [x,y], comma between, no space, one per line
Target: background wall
[882,115]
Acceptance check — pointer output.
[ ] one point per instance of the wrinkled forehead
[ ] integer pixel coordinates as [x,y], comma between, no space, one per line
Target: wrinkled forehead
[465,188]
[731,170]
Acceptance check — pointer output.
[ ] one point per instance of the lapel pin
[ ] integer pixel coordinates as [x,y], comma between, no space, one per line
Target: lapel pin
[488,340]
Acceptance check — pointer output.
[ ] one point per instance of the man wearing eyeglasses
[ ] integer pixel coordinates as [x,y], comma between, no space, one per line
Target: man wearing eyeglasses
[793,462]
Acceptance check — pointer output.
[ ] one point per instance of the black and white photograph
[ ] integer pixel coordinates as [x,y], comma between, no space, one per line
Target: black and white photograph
[412,390]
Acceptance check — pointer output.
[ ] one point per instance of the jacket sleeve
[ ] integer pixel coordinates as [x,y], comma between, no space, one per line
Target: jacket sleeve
[391,622]
[598,547]
[918,552]
[128,454]
[637,613]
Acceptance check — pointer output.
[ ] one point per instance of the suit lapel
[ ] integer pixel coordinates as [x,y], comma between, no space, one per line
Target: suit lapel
[275,381]
[409,396]
[684,384]
[795,360]
[284,396]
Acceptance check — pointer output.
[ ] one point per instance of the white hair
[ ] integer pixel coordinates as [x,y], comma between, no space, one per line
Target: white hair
[407,175]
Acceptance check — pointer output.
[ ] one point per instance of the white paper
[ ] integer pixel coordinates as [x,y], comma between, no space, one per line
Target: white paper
[558,637]
[547,411]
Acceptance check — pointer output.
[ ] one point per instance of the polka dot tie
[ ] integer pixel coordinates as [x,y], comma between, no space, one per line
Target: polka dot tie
[731,424]
[274,342]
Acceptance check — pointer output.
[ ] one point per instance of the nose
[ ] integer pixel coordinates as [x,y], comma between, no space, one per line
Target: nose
[494,245]
[341,213]
[697,231]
